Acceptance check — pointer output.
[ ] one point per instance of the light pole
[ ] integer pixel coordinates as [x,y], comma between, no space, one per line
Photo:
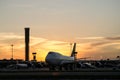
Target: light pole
[12,51]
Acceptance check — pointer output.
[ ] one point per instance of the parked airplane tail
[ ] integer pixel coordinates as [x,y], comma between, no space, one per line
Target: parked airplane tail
[74,50]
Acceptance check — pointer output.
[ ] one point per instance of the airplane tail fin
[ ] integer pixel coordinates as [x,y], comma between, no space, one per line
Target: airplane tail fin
[74,50]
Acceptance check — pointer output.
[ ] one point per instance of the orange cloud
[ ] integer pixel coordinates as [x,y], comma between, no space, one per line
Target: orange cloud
[40,45]
[100,46]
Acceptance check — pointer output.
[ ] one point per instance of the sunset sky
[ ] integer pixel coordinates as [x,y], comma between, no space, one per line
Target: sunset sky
[93,24]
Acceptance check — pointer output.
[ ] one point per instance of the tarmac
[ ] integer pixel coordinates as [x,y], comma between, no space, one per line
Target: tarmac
[82,74]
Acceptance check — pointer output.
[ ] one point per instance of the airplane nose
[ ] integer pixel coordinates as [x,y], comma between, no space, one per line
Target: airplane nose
[50,52]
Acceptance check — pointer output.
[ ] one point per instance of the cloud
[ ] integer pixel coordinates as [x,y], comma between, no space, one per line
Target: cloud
[36,40]
[95,44]
[16,39]
[4,36]
[11,38]
[98,44]
[54,45]
[100,41]
[106,41]
[88,38]
[53,42]
[6,39]
[106,38]
[113,38]
[41,45]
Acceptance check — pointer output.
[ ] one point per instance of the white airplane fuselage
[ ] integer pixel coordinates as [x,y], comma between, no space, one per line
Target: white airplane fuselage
[22,65]
[55,58]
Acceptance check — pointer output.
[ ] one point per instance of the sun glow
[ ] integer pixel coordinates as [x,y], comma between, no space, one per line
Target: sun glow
[42,46]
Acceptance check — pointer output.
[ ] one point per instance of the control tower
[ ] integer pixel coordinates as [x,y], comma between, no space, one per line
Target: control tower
[27,44]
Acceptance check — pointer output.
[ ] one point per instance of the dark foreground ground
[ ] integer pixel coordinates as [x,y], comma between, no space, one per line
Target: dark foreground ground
[83,74]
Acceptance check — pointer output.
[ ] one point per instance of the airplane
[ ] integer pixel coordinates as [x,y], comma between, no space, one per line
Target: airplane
[56,60]
[20,65]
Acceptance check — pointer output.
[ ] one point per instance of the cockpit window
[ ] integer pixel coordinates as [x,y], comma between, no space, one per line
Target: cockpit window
[54,54]
[50,53]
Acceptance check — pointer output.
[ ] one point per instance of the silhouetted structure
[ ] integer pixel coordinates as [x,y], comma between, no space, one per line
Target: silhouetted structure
[26,44]
[34,56]
[12,52]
